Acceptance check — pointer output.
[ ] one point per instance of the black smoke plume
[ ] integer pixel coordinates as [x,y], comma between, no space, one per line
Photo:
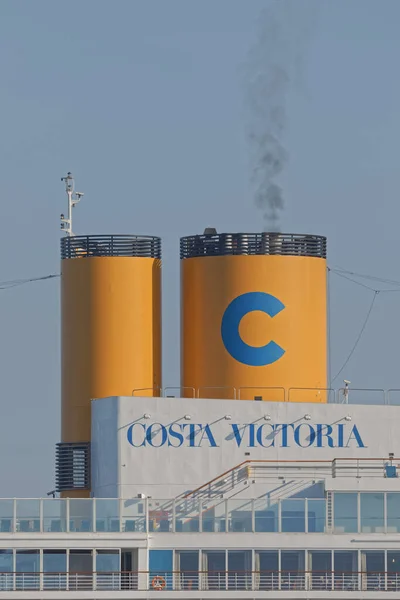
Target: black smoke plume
[272,66]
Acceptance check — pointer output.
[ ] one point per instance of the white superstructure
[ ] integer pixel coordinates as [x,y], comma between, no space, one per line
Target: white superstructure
[197,498]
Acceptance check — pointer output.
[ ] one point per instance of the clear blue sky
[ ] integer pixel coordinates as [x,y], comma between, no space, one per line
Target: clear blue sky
[143,102]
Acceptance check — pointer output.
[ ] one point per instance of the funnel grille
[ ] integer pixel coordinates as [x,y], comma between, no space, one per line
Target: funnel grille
[83,246]
[223,244]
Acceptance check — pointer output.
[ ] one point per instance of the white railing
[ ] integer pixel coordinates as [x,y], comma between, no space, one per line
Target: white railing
[346,395]
[207,509]
[202,580]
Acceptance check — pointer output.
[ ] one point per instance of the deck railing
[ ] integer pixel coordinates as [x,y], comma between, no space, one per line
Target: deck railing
[203,580]
[344,395]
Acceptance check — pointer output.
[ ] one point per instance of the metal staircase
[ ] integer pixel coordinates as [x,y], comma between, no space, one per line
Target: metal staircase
[231,484]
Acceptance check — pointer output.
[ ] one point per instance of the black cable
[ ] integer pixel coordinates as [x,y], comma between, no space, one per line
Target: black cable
[376,292]
[5,285]
[370,277]
[367,287]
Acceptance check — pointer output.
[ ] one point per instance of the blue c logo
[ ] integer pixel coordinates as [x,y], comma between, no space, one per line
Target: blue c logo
[237,348]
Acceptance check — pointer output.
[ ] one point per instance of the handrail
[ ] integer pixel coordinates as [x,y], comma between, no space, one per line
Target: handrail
[209,572]
[329,580]
[180,388]
[255,387]
[327,391]
[285,461]
[149,389]
[334,395]
[216,387]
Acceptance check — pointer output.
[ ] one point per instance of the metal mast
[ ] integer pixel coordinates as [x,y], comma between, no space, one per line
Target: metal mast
[73,199]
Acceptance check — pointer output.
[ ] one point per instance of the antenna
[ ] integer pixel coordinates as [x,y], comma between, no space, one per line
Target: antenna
[73,199]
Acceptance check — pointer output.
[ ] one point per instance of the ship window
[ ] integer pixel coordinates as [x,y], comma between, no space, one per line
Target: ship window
[316,516]
[28,515]
[393,569]
[292,569]
[345,561]
[213,563]
[267,565]
[345,568]
[6,567]
[187,564]
[160,565]
[27,566]
[345,512]
[107,568]
[80,569]
[6,561]
[372,512]
[373,570]
[54,569]
[393,512]
[239,570]
[293,516]
[320,565]
[107,515]
[54,515]
[81,514]
[27,561]
[107,561]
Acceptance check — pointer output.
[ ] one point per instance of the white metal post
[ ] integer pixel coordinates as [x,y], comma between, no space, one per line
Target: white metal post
[73,199]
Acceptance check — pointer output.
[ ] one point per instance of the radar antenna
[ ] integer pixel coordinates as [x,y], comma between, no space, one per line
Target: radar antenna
[73,199]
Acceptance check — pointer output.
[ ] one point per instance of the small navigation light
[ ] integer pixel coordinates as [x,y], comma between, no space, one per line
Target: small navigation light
[146,416]
[307,417]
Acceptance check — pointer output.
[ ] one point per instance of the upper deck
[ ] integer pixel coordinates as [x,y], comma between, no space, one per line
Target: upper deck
[201,498]
[325,526]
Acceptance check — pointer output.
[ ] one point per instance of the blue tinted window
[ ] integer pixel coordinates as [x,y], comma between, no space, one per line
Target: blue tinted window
[27,567]
[6,569]
[266,517]
[54,561]
[293,516]
[107,561]
[107,567]
[316,516]
[393,512]
[372,512]
[54,569]
[345,512]
[160,566]
[6,561]
[27,561]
